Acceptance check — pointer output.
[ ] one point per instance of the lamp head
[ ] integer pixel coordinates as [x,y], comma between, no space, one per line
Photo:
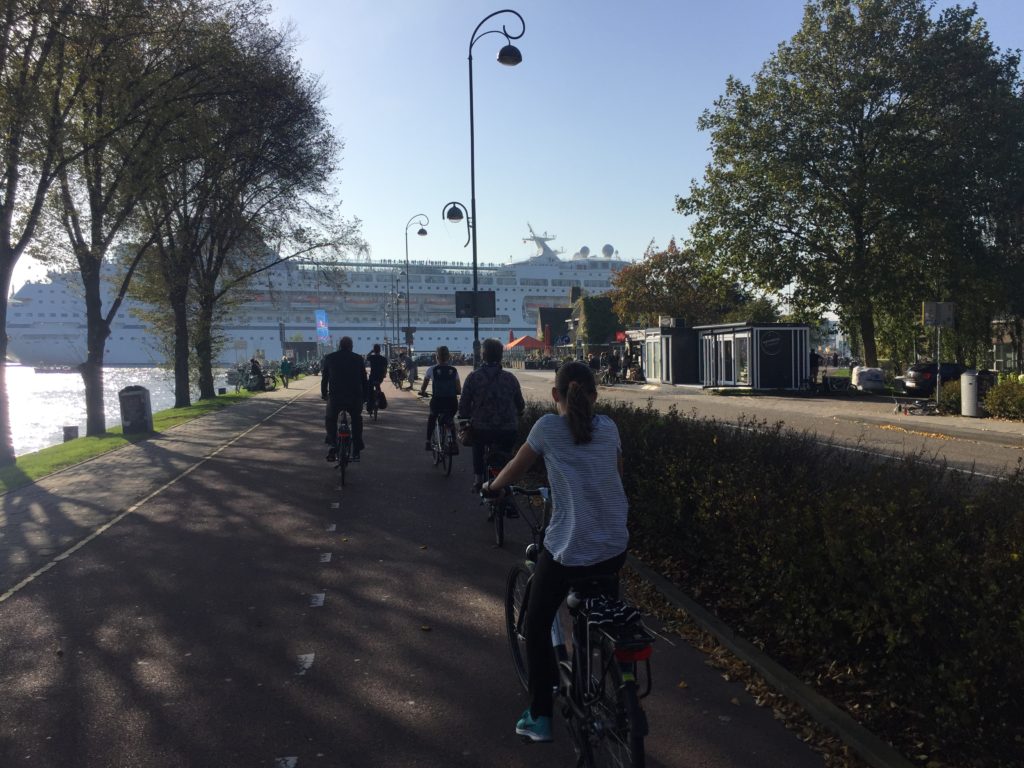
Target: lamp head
[509,55]
[454,214]
[421,232]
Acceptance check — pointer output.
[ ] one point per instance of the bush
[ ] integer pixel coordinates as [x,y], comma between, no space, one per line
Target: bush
[1006,400]
[896,586]
[949,397]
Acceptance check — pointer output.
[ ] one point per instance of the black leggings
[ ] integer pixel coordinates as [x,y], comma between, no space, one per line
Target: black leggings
[446,406]
[355,418]
[502,439]
[548,589]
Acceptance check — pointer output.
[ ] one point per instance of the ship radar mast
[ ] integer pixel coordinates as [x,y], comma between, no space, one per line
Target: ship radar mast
[541,241]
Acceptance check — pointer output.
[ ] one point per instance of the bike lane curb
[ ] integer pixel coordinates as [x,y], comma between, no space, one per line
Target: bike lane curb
[870,748]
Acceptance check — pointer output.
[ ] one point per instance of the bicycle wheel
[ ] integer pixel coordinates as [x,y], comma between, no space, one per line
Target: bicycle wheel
[444,443]
[343,454]
[517,589]
[617,723]
[499,523]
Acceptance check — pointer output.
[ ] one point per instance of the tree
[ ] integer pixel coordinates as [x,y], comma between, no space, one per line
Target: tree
[109,155]
[676,282]
[866,163]
[37,90]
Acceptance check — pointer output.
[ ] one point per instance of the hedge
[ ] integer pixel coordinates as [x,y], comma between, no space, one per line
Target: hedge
[895,586]
[1006,400]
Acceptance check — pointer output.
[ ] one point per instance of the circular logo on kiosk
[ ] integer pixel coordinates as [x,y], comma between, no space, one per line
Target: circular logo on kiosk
[771,342]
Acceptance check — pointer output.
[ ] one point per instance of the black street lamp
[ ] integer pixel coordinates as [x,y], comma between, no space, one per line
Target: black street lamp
[421,232]
[509,55]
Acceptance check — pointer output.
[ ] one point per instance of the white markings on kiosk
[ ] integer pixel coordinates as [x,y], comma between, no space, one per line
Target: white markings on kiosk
[325,557]
[316,600]
[304,662]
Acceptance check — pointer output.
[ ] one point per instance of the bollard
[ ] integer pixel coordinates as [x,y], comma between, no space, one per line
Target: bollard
[70,433]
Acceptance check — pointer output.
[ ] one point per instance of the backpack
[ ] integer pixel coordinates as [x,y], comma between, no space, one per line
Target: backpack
[443,381]
[382,402]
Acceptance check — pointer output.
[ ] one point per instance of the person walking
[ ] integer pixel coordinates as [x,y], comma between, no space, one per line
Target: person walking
[286,370]
[378,370]
[587,534]
[493,401]
[343,385]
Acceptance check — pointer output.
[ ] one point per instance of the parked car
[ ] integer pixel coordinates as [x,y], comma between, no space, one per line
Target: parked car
[920,377]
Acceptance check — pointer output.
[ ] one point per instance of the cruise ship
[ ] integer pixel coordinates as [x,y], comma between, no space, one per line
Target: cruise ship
[359,298]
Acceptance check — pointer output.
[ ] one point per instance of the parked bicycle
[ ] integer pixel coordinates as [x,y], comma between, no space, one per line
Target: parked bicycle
[343,444]
[598,661]
[917,408]
[608,377]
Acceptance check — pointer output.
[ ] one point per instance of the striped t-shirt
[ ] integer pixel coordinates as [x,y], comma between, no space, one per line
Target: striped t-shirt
[588,520]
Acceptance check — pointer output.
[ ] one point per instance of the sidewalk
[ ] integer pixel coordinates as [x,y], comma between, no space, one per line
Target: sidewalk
[240,608]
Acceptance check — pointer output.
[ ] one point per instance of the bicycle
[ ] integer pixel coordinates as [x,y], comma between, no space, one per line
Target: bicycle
[397,375]
[598,692]
[608,377]
[374,402]
[443,446]
[499,507]
[917,408]
[343,444]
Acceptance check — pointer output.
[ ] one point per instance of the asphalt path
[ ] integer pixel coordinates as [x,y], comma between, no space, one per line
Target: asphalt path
[214,597]
[857,422]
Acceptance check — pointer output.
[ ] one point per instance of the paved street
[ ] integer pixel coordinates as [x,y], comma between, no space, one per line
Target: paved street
[858,422]
[212,597]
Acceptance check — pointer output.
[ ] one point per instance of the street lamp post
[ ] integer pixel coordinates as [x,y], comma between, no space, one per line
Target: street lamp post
[422,233]
[509,55]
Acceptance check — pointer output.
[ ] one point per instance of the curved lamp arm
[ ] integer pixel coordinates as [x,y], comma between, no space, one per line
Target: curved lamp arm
[456,212]
[503,31]
[415,220]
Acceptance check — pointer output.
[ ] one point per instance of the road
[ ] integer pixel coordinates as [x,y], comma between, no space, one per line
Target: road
[863,423]
[213,597]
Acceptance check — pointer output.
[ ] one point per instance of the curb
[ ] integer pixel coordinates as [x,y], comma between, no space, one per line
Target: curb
[868,747]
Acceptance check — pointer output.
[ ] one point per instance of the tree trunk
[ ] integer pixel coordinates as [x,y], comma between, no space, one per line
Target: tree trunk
[182,395]
[867,333]
[204,351]
[6,440]
[97,332]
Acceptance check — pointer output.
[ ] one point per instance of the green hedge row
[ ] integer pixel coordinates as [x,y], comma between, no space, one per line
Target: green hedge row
[887,582]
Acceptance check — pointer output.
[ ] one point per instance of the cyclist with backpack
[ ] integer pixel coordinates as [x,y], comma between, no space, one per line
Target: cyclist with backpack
[492,400]
[586,536]
[445,390]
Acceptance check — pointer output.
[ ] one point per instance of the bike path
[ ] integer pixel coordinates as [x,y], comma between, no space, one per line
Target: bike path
[247,611]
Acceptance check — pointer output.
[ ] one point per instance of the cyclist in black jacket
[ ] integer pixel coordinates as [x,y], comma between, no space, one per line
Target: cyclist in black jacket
[343,386]
[378,370]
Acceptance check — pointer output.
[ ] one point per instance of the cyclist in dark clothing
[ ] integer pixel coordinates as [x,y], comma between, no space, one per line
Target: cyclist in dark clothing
[493,402]
[343,385]
[378,370]
[445,390]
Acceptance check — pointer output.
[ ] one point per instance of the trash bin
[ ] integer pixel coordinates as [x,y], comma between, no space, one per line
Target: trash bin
[136,410]
[969,393]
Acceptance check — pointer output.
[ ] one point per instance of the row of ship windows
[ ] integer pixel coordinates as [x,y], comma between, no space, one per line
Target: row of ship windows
[532,281]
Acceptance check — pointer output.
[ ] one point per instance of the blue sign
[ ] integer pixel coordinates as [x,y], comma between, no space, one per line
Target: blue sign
[322,331]
[562,341]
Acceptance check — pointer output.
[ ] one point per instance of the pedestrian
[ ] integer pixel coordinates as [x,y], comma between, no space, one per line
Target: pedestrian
[286,370]
[587,534]
[814,367]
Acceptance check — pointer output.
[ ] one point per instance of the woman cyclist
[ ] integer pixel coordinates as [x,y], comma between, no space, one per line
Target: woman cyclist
[587,533]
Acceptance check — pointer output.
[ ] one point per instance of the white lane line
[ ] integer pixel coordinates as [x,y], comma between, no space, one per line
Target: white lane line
[286,762]
[325,557]
[335,505]
[316,600]
[304,662]
[332,527]
[137,505]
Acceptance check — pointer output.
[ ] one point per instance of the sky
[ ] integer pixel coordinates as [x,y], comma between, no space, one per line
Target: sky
[589,139]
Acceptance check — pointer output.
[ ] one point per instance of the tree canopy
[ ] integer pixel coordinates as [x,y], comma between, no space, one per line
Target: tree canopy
[874,162]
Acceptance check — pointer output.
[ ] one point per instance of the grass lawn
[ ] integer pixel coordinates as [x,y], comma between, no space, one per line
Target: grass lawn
[32,466]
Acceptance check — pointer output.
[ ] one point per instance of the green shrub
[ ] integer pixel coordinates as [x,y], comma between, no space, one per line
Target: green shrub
[893,584]
[949,397]
[1006,400]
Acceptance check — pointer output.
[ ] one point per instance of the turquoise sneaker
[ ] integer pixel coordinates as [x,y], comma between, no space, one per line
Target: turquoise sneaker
[538,729]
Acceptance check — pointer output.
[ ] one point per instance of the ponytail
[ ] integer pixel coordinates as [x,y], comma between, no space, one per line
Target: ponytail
[577,387]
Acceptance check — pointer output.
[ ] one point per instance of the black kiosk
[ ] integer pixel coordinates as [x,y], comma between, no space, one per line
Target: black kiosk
[755,355]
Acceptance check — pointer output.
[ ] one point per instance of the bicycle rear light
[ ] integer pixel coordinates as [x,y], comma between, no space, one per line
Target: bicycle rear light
[633,654]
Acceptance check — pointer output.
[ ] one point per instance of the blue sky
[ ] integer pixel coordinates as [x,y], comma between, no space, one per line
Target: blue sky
[590,138]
